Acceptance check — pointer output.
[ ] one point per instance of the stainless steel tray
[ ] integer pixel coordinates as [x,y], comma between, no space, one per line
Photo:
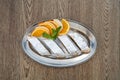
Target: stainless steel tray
[62,62]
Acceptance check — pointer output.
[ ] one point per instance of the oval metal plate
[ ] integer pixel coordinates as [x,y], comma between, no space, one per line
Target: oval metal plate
[67,61]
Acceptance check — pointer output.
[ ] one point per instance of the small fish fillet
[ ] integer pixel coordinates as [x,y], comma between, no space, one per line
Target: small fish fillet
[37,45]
[62,46]
[80,41]
[72,49]
[54,48]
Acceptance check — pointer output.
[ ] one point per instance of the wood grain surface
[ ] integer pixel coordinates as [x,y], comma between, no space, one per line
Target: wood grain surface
[102,16]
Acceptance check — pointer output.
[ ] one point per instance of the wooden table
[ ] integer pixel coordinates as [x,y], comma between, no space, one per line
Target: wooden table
[102,16]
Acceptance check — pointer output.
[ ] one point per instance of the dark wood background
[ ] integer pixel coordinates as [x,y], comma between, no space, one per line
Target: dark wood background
[102,16]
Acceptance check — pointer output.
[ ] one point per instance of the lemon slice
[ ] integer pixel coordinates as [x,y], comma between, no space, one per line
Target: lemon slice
[59,23]
[54,23]
[48,25]
[65,28]
[38,31]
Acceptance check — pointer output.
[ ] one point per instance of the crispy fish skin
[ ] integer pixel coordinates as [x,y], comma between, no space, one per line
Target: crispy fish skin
[37,45]
[80,41]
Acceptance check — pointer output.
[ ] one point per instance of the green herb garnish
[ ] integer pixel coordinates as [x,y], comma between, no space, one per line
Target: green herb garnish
[53,35]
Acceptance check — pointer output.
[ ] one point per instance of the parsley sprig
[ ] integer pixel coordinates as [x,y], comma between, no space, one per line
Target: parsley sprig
[53,35]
